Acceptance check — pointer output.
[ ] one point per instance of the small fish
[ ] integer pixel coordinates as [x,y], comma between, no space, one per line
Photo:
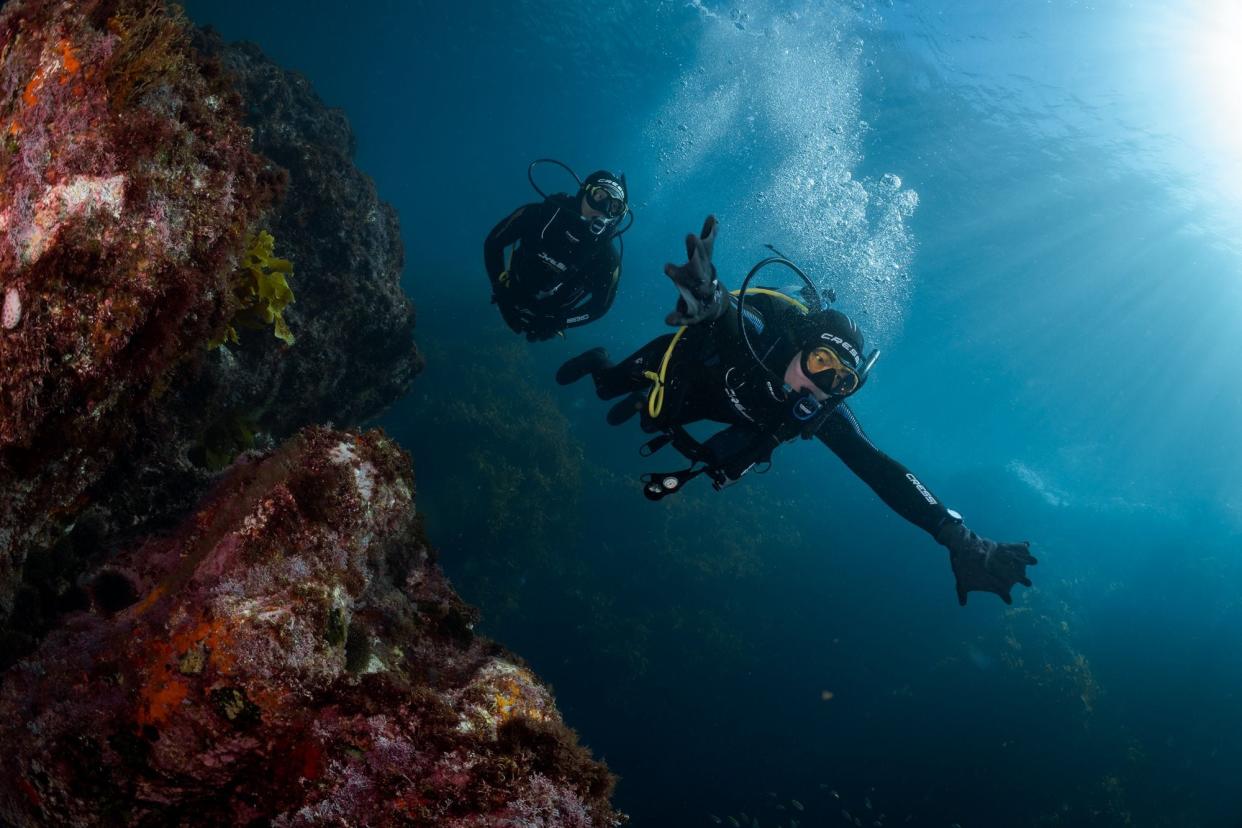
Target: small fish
[714,818]
[867,802]
[797,804]
[835,795]
[734,823]
[780,807]
[847,816]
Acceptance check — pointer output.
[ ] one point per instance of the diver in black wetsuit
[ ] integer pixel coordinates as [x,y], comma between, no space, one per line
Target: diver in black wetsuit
[563,270]
[772,369]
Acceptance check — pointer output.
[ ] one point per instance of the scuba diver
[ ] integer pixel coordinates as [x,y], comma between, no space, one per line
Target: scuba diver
[773,368]
[563,269]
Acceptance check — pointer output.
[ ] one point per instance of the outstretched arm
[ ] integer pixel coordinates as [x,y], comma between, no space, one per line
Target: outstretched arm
[904,493]
[979,564]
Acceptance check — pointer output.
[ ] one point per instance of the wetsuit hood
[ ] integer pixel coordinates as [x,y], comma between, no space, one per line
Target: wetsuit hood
[613,184]
[834,329]
[614,191]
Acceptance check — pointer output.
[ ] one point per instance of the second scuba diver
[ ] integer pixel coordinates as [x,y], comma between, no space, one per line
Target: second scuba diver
[773,368]
[563,270]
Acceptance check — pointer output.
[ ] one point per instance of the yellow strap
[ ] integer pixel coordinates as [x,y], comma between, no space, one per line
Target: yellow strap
[655,397]
[778,295]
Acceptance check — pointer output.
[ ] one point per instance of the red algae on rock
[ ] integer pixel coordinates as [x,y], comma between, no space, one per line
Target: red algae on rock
[128,186]
[291,655]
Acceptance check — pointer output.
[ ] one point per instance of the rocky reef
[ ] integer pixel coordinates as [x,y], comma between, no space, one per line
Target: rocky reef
[212,610]
[290,654]
[141,160]
[351,318]
[129,184]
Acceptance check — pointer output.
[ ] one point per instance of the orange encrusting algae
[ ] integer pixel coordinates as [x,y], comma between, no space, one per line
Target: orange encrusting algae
[29,97]
[160,697]
[165,689]
[67,59]
[510,699]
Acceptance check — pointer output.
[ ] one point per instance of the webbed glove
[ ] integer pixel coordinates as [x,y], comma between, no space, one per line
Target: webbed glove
[703,298]
[983,565]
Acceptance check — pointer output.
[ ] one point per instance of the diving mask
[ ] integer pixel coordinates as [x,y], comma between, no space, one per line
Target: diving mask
[832,376]
[608,200]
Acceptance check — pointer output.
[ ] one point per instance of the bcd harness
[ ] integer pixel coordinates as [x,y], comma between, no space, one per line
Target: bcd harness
[730,453]
[556,281]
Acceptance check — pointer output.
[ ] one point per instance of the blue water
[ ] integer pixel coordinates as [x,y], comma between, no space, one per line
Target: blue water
[1034,210]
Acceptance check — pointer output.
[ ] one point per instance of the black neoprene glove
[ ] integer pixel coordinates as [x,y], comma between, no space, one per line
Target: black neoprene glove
[983,565]
[543,328]
[514,318]
[702,297]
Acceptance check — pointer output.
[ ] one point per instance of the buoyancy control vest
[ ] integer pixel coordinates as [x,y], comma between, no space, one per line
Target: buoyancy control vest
[774,415]
[548,268]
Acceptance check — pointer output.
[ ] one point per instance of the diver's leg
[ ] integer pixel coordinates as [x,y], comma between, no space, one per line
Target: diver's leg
[614,380]
[626,408]
[628,376]
[587,362]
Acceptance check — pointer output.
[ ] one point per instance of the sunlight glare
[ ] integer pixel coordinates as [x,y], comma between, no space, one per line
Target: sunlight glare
[1213,53]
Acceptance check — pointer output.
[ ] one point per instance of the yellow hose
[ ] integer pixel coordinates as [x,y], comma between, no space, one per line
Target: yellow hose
[655,397]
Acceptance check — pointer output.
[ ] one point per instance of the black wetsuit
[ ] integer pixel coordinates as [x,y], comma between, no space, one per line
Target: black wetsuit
[559,274]
[712,375]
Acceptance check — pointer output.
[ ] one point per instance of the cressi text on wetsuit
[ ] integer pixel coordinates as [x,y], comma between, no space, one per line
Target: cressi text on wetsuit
[559,275]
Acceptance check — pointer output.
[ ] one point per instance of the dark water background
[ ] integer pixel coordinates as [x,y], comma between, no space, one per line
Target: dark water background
[1033,210]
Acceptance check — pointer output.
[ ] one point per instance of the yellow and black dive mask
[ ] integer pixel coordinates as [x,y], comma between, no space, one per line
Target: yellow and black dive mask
[830,374]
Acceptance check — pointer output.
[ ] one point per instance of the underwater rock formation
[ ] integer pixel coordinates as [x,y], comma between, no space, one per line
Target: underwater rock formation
[290,653]
[128,185]
[138,159]
[346,247]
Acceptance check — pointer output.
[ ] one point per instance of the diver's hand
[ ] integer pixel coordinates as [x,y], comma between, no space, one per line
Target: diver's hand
[983,565]
[543,329]
[516,319]
[703,298]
